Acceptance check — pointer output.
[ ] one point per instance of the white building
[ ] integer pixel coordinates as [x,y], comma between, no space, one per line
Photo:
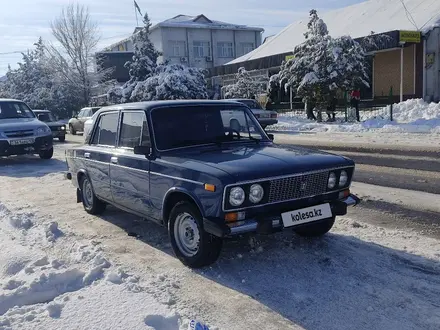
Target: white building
[197,41]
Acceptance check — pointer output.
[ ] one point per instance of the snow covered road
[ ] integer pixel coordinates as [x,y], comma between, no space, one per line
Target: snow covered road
[61,268]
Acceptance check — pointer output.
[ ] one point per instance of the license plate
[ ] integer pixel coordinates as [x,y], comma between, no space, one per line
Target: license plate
[309,214]
[21,141]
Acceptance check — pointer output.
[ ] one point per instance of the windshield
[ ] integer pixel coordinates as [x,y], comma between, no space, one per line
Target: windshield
[10,110]
[186,126]
[252,104]
[45,116]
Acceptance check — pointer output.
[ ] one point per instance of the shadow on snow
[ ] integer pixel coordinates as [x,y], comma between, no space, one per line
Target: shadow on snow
[335,282]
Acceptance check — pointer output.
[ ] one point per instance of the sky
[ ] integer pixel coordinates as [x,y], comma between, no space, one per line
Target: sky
[22,22]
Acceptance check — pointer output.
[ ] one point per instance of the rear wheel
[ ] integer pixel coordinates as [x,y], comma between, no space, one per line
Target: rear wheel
[72,129]
[316,229]
[46,154]
[192,245]
[91,203]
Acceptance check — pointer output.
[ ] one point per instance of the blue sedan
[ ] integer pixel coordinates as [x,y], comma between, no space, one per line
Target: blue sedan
[181,164]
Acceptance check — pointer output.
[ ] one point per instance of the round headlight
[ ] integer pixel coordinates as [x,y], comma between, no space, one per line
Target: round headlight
[331,180]
[236,196]
[43,130]
[343,179]
[63,128]
[256,193]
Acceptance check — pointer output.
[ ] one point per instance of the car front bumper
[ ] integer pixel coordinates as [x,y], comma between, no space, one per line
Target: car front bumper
[57,134]
[270,223]
[40,143]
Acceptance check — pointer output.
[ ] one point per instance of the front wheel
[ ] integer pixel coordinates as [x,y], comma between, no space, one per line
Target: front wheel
[46,154]
[91,203]
[316,229]
[193,246]
[62,138]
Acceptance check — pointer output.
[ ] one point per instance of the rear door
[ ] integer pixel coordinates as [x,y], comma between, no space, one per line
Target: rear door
[99,153]
[129,173]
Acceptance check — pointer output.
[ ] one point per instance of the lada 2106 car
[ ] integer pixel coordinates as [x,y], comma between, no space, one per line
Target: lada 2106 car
[179,163]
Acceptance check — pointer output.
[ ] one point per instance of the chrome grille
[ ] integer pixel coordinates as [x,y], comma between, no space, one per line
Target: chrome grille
[17,134]
[297,187]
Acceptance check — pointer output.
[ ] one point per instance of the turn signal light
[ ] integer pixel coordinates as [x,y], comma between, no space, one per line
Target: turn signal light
[209,187]
[344,194]
[234,216]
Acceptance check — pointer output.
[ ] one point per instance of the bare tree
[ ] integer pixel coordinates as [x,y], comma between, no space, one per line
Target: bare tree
[78,37]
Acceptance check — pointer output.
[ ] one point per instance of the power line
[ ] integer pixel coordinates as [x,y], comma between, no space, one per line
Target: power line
[409,16]
[14,52]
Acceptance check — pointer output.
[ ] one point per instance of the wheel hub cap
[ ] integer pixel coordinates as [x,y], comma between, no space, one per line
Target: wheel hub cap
[187,234]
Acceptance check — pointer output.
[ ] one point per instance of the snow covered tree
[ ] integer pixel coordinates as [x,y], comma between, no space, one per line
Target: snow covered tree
[37,82]
[172,82]
[322,64]
[245,86]
[140,68]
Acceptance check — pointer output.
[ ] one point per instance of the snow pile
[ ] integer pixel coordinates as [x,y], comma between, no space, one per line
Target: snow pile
[50,282]
[411,116]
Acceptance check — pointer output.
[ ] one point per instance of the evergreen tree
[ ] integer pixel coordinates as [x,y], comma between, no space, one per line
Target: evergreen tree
[322,64]
[140,68]
[245,86]
[172,82]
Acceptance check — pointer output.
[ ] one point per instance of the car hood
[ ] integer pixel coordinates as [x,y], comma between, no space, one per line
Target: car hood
[20,124]
[261,161]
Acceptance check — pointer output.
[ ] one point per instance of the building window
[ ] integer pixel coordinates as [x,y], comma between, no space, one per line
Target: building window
[202,49]
[225,49]
[178,48]
[247,47]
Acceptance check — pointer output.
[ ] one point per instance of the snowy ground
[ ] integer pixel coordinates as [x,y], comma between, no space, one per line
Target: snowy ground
[411,116]
[61,268]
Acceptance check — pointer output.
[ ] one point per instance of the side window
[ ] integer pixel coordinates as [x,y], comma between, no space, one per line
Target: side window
[105,133]
[134,129]
[80,114]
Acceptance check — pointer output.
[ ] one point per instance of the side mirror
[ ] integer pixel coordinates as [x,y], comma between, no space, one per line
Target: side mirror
[142,150]
[270,136]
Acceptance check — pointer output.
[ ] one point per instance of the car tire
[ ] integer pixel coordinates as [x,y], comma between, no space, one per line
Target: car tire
[184,226]
[235,125]
[62,138]
[46,154]
[72,130]
[92,204]
[317,229]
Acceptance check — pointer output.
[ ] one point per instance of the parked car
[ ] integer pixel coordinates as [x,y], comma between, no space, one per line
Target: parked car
[265,117]
[178,163]
[58,129]
[21,132]
[88,125]
[76,124]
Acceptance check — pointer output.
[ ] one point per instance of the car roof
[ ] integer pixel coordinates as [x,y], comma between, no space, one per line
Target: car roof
[10,100]
[149,105]
[39,110]
[239,100]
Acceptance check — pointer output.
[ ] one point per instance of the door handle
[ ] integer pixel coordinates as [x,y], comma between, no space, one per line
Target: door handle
[114,160]
[87,154]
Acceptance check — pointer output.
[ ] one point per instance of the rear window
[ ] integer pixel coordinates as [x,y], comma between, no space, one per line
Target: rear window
[9,110]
